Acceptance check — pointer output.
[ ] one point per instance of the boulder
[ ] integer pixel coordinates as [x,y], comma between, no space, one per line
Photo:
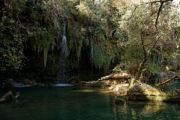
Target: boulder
[120,89]
[144,92]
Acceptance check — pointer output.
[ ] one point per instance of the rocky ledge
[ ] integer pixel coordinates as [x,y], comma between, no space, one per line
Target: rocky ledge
[145,92]
[142,91]
[119,83]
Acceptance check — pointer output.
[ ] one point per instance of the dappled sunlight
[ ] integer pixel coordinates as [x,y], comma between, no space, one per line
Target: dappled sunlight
[87,90]
[151,108]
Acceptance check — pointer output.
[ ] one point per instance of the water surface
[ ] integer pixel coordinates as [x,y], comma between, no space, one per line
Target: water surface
[71,103]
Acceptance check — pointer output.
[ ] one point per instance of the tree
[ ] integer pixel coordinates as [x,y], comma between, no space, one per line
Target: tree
[148,31]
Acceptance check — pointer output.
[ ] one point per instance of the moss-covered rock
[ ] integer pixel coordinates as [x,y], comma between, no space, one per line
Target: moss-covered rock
[144,92]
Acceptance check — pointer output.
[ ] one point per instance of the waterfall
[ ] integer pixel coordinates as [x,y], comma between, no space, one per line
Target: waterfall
[63,58]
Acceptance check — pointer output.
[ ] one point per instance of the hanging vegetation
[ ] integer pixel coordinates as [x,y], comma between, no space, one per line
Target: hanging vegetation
[139,35]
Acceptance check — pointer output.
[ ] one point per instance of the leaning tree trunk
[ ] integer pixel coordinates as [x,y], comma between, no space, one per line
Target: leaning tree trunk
[139,71]
[146,54]
[141,65]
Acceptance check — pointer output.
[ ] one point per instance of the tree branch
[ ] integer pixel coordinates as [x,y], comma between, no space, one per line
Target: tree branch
[158,1]
[166,81]
[159,10]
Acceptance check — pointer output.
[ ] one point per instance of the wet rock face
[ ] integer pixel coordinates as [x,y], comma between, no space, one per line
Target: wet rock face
[142,91]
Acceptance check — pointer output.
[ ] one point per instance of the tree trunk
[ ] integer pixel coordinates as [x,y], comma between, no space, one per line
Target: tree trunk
[139,70]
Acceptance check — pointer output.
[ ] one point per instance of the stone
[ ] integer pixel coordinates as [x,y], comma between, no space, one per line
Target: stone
[119,89]
[145,92]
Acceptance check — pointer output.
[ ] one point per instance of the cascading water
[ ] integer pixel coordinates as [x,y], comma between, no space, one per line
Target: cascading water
[63,60]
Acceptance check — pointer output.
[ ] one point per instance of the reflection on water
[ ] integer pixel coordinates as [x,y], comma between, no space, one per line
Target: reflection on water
[70,103]
[152,108]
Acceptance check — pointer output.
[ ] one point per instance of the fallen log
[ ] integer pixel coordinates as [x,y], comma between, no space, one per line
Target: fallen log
[116,76]
[9,95]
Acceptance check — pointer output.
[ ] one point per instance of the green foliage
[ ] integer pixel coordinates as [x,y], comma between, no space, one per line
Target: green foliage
[133,53]
[154,68]
[11,45]
[106,31]
[40,25]
[96,55]
[178,32]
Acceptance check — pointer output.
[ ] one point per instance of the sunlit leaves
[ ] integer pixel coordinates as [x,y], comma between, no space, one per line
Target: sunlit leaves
[83,8]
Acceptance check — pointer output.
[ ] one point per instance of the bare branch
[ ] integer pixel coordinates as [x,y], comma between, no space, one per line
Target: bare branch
[133,13]
[159,10]
[159,1]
